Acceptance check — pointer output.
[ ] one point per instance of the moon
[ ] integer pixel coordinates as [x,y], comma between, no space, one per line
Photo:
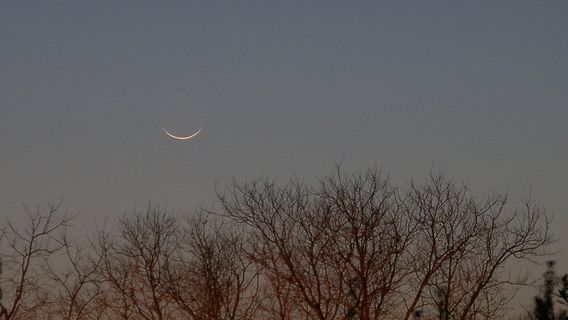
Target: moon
[182,137]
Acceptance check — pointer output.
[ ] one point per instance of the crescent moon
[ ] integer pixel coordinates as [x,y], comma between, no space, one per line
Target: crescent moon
[182,137]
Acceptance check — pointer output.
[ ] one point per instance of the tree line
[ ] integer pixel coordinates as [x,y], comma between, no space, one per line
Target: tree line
[350,246]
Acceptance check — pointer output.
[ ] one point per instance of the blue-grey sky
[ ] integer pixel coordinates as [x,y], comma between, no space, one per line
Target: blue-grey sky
[476,89]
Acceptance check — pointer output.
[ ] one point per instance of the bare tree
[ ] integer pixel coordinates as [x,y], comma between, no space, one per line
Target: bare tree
[463,246]
[370,233]
[400,247]
[349,246]
[291,243]
[134,265]
[156,266]
[25,291]
[318,240]
[213,278]
[74,283]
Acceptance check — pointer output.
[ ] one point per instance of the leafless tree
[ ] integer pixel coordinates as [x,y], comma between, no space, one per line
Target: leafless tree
[213,278]
[134,265]
[74,285]
[25,248]
[463,245]
[291,243]
[349,246]
[371,233]
[157,266]
[400,247]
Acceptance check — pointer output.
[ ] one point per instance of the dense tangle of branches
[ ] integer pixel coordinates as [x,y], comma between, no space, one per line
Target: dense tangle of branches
[347,246]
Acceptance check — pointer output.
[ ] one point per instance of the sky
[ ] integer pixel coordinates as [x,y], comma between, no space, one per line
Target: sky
[477,90]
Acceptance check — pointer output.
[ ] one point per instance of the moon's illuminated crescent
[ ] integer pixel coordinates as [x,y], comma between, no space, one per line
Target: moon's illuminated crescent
[182,137]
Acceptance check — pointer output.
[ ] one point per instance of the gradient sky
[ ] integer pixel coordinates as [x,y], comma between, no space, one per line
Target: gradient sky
[478,90]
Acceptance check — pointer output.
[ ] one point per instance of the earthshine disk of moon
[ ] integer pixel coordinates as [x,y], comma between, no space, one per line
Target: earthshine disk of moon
[171,135]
